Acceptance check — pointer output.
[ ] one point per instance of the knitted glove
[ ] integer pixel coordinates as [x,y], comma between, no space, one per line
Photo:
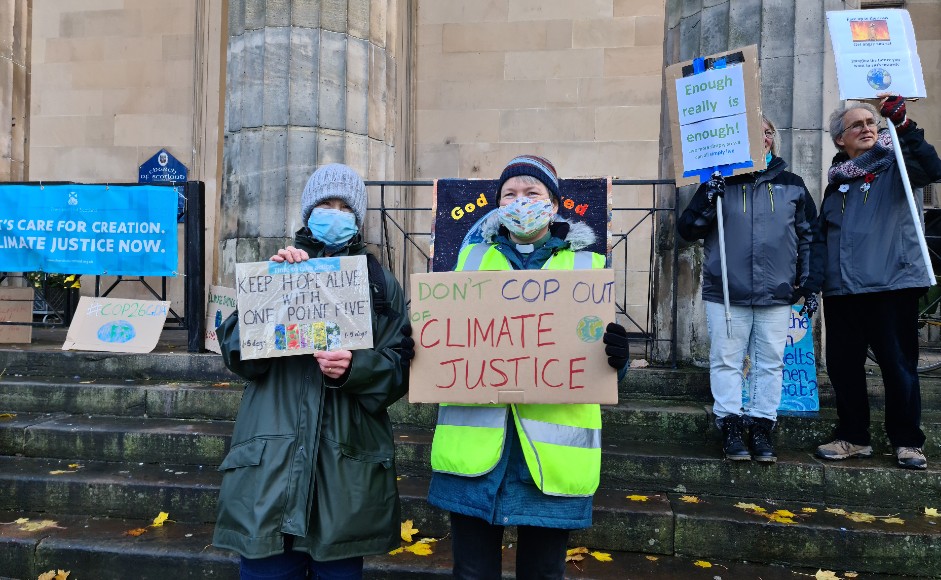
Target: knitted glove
[615,339]
[406,348]
[893,109]
[715,188]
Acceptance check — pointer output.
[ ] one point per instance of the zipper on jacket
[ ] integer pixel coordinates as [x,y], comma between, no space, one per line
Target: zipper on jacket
[771,193]
[743,198]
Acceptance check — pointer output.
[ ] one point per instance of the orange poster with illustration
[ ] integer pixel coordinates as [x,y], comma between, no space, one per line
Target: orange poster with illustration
[869,30]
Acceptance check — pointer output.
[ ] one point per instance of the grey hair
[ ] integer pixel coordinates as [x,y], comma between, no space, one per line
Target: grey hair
[776,140]
[836,118]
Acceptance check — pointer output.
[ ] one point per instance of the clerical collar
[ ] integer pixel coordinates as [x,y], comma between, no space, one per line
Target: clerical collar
[530,248]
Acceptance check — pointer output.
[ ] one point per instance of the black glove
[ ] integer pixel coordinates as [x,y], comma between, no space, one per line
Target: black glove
[810,304]
[893,109]
[615,337]
[715,188]
[406,348]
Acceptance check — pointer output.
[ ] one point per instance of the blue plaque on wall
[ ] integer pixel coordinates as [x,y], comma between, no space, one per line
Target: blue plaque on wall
[165,167]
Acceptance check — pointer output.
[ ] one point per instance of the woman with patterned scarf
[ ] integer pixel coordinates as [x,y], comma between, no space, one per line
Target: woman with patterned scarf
[874,276]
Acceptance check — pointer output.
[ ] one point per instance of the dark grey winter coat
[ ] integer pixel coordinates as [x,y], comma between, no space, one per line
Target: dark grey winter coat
[769,220]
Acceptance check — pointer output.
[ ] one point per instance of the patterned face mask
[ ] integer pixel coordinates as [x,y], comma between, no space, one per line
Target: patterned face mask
[523,217]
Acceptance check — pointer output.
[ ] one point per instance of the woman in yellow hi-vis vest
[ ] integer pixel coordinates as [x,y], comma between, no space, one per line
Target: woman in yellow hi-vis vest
[532,466]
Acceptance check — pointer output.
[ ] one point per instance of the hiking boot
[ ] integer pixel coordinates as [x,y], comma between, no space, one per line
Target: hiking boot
[733,436]
[911,458]
[762,449]
[839,449]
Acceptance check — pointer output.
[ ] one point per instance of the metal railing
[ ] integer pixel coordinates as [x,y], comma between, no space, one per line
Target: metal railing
[397,232]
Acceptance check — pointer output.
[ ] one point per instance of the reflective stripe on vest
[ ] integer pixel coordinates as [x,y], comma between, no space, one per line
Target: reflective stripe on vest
[464,416]
[479,431]
[542,432]
[475,257]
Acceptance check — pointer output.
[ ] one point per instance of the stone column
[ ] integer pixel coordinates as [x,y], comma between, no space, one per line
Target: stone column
[14,88]
[308,82]
[798,91]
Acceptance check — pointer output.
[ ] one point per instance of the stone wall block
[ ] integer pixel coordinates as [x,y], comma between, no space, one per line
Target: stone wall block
[377,108]
[234,72]
[377,22]
[810,26]
[332,91]
[305,13]
[333,15]
[231,189]
[777,28]
[532,10]
[277,85]
[357,85]
[252,80]
[255,14]
[390,111]
[357,18]
[247,249]
[278,12]
[356,153]
[689,34]
[777,89]
[270,209]
[632,61]
[301,162]
[249,170]
[19,114]
[331,146]
[304,74]
[744,19]
[715,29]
[377,151]
[6,107]
[808,110]
[604,32]
[236,18]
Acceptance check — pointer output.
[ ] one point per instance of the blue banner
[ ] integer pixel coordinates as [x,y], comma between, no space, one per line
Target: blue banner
[88,229]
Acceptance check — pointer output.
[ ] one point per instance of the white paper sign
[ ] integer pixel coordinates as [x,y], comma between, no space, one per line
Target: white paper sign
[219,305]
[290,309]
[875,53]
[710,94]
[721,141]
[116,324]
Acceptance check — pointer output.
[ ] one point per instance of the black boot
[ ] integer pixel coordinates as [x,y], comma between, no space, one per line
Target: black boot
[733,436]
[762,448]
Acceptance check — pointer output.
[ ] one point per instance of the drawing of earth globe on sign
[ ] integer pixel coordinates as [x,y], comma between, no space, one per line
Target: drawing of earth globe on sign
[589,329]
[879,78]
[119,331]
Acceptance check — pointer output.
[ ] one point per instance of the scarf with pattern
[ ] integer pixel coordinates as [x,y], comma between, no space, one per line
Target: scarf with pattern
[879,157]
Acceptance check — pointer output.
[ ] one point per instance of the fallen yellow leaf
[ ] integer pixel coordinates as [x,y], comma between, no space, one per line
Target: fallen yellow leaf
[4,416]
[638,497]
[407,531]
[576,554]
[702,564]
[932,512]
[21,521]
[601,556]
[780,519]
[55,575]
[74,466]
[850,574]
[861,517]
[837,511]
[136,532]
[61,471]
[690,499]
[652,558]
[784,513]
[894,521]
[160,519]
[396,551]
[419,549]
[223,384]
[809,510]
[28,526]
[748,506]
[826,575]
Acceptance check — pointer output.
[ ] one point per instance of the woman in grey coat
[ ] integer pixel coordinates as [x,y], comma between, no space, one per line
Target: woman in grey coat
[874,276]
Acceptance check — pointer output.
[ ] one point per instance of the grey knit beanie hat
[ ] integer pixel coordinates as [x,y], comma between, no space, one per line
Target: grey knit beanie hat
[335,181]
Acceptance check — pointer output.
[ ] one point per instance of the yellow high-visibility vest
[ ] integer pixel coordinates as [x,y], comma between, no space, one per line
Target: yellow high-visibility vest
[561,443]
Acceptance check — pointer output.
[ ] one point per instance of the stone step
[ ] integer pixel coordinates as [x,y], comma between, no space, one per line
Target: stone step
[123,439]
[699,469]
[108,489]
[100,548]
[127,398]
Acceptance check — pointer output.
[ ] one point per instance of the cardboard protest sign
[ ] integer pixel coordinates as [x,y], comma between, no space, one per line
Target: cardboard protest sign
[219,305]
[715,115]
[16,305]
[799,376]
[875,53]
[88,229]
[460,206]
[116,325]
[522,336]
[290,309]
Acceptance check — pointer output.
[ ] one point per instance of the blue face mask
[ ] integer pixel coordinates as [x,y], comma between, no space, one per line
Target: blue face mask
[333,227]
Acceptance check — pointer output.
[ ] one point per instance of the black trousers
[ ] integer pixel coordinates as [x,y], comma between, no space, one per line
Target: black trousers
[478,550]
[888,323]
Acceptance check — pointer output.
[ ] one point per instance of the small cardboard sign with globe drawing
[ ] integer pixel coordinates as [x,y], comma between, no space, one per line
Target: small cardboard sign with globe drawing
[116,325]
[875,53]
[524,336]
